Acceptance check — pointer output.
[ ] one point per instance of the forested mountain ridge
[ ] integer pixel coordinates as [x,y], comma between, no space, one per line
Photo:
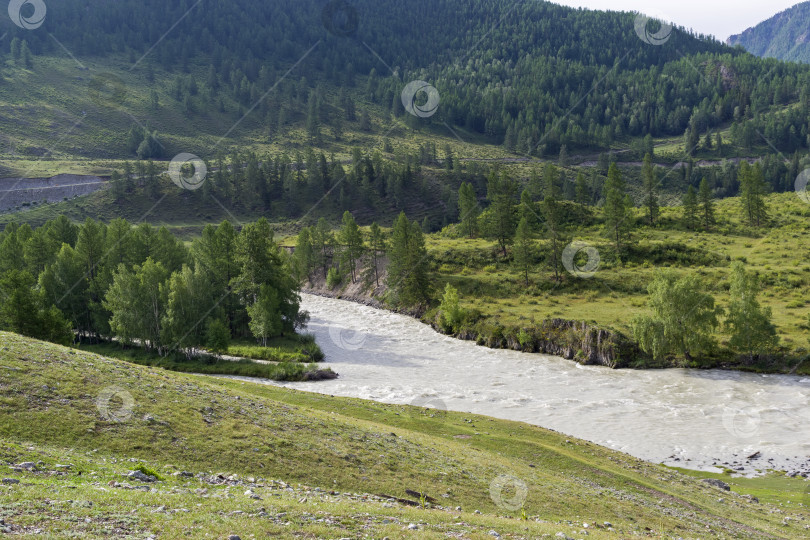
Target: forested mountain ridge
[784,36]
[531,76]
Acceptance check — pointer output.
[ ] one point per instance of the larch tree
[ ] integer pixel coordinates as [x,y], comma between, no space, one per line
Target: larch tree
[683,317]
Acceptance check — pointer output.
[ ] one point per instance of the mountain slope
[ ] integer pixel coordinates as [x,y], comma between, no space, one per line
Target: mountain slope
[533,76]
[785,36]
[56,398]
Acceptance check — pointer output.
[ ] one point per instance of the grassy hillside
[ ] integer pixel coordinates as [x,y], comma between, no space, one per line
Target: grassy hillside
[55,413]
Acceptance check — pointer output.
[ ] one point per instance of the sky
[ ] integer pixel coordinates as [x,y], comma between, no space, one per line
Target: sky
[720,18]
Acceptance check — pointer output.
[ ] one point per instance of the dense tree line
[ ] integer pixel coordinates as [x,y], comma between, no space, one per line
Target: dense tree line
[544,78]
[141,284]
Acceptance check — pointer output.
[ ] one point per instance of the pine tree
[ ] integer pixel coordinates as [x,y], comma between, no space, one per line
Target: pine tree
[469,209]
[313,119]
[352,240]
[303,254]
[27,57]
[690,208]
[650,180]
[408,264]
[527,210]
[706,200]
[501,192]
[583,195]
[552,215]
[376,248]
[616,211]
[752,193]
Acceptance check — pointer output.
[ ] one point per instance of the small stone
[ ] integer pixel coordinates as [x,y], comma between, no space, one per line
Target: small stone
[234,537]
[413,527]
[27,465]
[495,534]
[9,481]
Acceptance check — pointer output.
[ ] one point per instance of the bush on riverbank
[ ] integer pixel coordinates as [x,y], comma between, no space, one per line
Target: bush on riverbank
[296,348]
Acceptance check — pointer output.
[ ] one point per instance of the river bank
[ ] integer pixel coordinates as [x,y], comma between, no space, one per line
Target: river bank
[582,342]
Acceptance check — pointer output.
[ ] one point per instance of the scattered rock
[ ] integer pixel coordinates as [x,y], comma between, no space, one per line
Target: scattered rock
[138,475]
[9,481]
[755,455]
[234,537]
[413,527]
[28,466]
[495,534]
[717,483]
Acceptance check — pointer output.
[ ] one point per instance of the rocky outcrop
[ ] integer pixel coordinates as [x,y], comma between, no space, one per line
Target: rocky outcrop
[573,340]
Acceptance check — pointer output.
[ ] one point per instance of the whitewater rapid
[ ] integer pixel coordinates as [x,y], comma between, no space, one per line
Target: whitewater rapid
[688,418]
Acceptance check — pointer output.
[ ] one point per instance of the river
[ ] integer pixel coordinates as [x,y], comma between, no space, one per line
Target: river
[688,418]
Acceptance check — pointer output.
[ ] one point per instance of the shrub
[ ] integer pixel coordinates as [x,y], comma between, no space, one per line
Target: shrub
[333,278]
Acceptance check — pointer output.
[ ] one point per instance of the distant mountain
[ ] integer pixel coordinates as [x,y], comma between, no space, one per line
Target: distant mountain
[785,36]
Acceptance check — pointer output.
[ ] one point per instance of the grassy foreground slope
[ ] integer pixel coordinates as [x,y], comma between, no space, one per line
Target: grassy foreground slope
[53,412]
